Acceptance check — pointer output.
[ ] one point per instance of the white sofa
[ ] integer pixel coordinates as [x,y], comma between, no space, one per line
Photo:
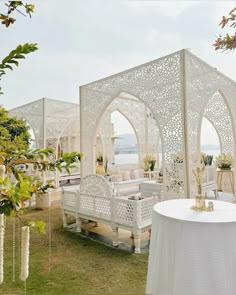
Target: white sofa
[95,201]
[129,179]
[209,182]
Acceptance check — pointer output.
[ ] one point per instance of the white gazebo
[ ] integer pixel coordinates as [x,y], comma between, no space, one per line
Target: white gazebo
[54,123]
[178,90]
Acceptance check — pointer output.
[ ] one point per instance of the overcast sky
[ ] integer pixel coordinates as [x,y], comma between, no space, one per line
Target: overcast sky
[83,40]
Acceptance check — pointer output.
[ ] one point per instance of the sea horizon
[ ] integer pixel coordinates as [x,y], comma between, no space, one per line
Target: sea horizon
[132,158]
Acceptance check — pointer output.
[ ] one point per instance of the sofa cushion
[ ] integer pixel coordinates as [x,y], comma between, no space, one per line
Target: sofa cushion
[137,174]
[114,170]
[132,174]
[116,177]
[125,175]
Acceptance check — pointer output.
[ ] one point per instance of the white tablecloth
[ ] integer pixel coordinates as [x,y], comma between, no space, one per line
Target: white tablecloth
[192,252]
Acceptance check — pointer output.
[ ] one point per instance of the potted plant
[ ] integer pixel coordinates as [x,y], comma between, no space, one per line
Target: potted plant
[149,163]
[99,159]
[152,163]
[224,161]
[206,159]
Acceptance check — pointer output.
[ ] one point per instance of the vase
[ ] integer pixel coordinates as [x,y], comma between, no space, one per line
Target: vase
[100,170]
[43,201]
[200,201]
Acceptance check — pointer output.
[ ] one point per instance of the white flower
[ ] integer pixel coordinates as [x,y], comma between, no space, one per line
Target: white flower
[224,161]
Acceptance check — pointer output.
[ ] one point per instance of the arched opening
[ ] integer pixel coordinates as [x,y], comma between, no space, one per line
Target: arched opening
[124,140]
[210,142]
[128,133]
[218,113]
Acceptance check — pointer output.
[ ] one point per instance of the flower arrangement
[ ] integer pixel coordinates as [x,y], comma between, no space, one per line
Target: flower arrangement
[200,203]
[206,159]
[198,173]
[224,161]
[99,157]
[149,162]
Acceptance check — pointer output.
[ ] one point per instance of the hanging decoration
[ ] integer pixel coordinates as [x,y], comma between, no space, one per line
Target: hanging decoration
[2,233]
[24,269]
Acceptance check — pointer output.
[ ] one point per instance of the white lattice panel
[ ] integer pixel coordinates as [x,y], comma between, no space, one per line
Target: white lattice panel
[124,212]
[146,209]
[96,185]
[52,120]
[156,84]
[69,199]
[33,114]
[209,94]
[218,114]
[95,206]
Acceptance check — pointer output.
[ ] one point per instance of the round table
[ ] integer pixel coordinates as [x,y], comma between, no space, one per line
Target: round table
[192,252]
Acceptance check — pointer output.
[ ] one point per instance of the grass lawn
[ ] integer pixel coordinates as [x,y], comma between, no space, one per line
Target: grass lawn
[77,265]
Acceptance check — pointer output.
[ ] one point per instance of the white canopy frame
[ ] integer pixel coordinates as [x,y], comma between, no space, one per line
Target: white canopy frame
[178,89]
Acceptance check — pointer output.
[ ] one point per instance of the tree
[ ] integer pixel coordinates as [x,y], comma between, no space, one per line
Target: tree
[14,133]
[21,50]
[14,56]
[15,185]
[12,6]
[227,42]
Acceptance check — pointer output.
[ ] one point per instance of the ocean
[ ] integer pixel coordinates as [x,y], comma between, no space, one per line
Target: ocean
[133,158]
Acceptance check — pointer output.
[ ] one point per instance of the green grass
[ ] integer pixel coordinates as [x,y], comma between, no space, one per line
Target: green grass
[76,266]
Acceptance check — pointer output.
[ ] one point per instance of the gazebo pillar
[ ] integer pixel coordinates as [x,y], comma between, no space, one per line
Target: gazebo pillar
[187,191]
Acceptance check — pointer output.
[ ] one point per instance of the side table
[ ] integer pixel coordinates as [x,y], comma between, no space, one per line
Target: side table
[151,174]
[230,173]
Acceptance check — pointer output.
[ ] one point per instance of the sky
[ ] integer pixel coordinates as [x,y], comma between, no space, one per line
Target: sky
[83,40]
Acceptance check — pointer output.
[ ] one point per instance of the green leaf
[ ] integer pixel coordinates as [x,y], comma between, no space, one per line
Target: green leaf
[19,56]
[13,61]
[9,67]
[18,53]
